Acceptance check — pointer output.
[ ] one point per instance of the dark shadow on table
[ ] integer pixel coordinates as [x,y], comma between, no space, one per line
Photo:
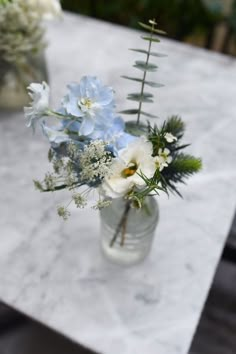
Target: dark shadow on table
[21,335]
[216,333]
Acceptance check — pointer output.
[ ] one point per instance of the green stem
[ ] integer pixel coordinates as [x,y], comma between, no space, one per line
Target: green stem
[121,226]
[61,116]
[144,76]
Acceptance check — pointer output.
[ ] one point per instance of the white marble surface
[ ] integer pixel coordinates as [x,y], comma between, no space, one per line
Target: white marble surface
[54,271]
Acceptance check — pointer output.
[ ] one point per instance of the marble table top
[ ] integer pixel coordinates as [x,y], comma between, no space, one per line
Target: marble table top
[53,271]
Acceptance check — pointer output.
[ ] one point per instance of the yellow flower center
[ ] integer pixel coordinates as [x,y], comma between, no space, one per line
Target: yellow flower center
[164,155]
[130,170]
[85,102]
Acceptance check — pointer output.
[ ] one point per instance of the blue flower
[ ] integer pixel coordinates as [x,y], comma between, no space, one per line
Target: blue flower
[91,101]
[113,133]
[56,135]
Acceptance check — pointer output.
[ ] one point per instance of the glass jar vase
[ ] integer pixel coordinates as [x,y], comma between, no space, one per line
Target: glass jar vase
[127,232]
[16,76]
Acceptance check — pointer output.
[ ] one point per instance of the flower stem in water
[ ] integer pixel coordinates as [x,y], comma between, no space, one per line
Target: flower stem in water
[121,226]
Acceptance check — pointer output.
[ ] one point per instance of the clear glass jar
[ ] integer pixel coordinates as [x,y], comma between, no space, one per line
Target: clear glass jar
[127,232]
[15,77]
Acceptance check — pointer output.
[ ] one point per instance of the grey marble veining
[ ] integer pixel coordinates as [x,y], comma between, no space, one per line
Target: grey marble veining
[54,271]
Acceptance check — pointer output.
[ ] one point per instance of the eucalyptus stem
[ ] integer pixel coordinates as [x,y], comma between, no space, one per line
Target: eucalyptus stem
[145,74]
[122,226]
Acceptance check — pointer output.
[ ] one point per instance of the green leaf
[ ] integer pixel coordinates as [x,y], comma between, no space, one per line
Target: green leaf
[150,28]
[132,78]
[159,55]
[151,39]
[143,51]
[149,83]
[129,111]
[153,84]
[181,147]
[143,66]
[145,97]
[149,115]
[132,128]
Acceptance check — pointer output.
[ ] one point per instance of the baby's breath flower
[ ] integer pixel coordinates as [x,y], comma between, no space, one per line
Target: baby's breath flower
[79,200]
[63,212]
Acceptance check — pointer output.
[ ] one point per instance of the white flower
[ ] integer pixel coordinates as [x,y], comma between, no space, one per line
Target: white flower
[39,105]
[170,138]
[47,9]
[163,158]
[124,173]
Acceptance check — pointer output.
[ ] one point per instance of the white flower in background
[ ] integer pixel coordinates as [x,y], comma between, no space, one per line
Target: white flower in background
[163,158]
[124,172]
[47,9]
[39,94]
[170,138]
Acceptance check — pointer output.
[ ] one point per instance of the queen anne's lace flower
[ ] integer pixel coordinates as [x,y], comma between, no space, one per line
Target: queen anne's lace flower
[126,168]
[90,100]
[39,105]
[94,162]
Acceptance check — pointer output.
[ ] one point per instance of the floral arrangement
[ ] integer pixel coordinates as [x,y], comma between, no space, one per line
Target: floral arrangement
[21,26]
[93,148]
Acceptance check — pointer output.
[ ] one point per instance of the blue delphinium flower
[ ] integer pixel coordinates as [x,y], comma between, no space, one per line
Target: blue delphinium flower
[90,100]
[56,134]
[114,134]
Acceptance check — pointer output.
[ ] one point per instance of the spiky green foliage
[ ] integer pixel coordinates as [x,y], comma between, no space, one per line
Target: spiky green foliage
[145,66]
[182,167]
[173,125]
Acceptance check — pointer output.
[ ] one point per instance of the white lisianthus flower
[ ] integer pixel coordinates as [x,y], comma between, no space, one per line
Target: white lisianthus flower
[163,158]
[39,105]
[124,173]
[48,9]
[170,138]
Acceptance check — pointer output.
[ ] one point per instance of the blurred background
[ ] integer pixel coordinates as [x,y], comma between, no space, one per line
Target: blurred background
[207,23]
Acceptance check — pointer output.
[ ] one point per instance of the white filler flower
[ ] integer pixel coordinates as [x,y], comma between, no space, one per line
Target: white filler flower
[48,9]
[39,94]
[163,158]
[125,169]
[170,138]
